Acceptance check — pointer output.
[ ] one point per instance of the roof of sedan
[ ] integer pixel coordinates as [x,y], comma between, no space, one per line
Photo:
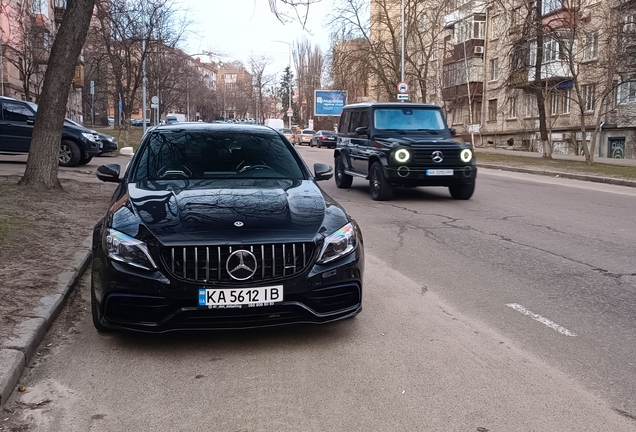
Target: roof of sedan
[200,126]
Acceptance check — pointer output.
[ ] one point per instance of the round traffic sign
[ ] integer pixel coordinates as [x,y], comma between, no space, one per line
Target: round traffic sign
[154,100]
[403,87]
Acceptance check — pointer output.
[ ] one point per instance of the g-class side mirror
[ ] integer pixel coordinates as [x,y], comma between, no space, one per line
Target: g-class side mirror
[362,131]
[453,132]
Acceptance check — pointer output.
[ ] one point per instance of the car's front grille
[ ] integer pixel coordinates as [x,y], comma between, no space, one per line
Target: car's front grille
[209,263]
[450,157]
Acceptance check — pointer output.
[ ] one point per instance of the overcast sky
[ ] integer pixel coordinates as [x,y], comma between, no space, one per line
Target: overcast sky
[240,28]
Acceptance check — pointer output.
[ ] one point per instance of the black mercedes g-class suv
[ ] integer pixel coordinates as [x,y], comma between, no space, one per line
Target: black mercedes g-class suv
[78,145]
[402,144]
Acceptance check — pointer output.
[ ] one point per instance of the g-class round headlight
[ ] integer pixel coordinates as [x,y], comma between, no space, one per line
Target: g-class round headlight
[402,155]
[466,155]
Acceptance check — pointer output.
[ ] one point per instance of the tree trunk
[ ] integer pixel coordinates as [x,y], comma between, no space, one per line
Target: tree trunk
[42,163]
[537,87]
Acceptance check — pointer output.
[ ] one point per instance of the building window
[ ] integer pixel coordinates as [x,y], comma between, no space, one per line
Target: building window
[531,105]
[555,104]
[553,5]
[626,93]
[591,47]
[566,101]
[589,95]
[550,51]
[476,112]
[492,110]
[494,69]
[473,27]
[512,107]
[533,53]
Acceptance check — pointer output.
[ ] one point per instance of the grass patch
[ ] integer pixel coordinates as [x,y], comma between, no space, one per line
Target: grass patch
[134,137]
[598,169]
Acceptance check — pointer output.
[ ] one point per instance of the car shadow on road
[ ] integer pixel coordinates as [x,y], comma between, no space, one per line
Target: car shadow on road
[403,194]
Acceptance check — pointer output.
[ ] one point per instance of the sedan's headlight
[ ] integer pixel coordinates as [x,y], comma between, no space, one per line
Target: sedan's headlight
[338,244]
[466,155]
[89,136]
[402,155]
[123,248]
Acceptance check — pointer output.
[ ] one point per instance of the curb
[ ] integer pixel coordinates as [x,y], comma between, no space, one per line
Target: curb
[582,177]
[16,353]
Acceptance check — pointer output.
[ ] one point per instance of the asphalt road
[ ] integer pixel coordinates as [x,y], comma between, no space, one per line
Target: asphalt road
[514,311]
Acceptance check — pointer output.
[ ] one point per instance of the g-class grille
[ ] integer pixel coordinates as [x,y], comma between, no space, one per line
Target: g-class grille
[450,157]
[210,263]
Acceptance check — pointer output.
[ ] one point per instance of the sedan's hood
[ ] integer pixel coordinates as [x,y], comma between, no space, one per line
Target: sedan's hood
[220,211]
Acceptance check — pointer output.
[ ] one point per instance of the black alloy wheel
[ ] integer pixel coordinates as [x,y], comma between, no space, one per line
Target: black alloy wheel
[70,154]
[462,191]
[381,190]
[343,181]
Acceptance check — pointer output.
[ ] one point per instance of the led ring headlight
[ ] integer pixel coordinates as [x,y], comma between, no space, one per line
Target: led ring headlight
[466,155]
[402,155]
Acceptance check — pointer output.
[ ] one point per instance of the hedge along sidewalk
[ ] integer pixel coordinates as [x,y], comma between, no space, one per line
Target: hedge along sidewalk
[17,352]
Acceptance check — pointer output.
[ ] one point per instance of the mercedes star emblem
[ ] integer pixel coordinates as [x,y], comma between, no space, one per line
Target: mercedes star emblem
[438,156]
[241,265]
[238,224]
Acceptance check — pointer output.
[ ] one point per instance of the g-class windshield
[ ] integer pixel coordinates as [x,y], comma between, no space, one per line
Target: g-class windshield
[409,119]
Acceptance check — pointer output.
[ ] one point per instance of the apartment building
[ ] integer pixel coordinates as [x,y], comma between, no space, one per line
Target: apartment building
[586,75]
[27,29]
[234,90]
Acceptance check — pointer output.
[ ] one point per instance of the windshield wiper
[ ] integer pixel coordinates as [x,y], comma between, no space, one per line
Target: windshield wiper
[400,131]
[431,131]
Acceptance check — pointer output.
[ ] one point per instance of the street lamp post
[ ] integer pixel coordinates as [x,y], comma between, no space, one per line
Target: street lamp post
[289,83]
[402,80]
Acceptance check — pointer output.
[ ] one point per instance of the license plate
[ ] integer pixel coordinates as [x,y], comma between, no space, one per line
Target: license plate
[263,296]
[439,172]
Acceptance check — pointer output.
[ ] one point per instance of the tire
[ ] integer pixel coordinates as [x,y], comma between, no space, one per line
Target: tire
[96,315]
[85,160]
[318,145]
[462,191]
[70,154]
[380,188]
[343,181]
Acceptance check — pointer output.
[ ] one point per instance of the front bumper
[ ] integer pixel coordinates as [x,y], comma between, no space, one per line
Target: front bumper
[419,176]
[92,148]
[155,302]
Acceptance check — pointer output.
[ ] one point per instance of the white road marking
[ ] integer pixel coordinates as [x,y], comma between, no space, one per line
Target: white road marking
[541,319]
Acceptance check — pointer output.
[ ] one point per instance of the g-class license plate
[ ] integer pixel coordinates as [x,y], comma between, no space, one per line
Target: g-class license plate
[262,296]
[439,172]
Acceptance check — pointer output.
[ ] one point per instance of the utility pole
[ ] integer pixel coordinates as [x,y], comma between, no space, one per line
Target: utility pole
[402,62]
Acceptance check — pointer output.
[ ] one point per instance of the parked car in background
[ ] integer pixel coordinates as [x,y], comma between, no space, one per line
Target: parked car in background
[257,243]
[402,144]
[109,143]
[288,134]
[17,118]
[324,138]
[304,136]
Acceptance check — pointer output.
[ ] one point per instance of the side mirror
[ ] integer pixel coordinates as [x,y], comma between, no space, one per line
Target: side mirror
[362,131]
[453,132]
[323,171]
[109,173]
[30,120]
[127,151]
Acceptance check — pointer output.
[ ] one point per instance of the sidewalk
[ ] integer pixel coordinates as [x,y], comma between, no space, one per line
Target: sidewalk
[608,161]
[552,171]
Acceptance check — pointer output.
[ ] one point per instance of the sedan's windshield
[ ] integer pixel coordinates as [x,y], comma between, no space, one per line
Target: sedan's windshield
[409,119]
[182,155]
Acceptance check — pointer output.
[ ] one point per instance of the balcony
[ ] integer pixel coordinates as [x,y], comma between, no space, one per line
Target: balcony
[556,69]
[463,11]
[461,91]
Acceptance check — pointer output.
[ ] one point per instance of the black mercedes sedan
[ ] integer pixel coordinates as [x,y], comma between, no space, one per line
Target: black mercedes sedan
[216,226]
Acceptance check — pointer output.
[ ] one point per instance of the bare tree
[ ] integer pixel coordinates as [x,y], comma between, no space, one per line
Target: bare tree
[129,30]
[377,32]
[42,163]
[260,80]
[27,46]
[309,63]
